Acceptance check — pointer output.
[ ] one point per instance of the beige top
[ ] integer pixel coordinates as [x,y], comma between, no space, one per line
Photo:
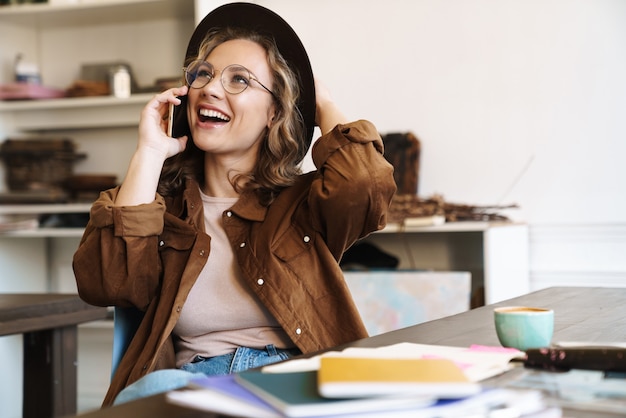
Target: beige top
[221,313]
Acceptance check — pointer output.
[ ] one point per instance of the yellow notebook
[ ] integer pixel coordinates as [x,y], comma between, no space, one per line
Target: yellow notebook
[345,377]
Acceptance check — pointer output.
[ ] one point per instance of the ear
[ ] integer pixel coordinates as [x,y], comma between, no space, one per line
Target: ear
[271,115]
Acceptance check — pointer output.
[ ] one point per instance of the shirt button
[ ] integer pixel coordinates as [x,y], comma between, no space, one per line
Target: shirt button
[307,238]
[298,331]
[178,309]
[229,214]
[161,243]
[202,253]
[260,282]
[243,244]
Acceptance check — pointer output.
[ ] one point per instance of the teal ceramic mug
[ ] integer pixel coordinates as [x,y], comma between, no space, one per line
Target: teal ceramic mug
[524,327]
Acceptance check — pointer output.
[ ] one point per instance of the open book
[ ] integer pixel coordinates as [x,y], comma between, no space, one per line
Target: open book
[477,362]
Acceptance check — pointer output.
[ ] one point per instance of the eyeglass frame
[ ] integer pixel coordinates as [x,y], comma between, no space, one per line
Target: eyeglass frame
[252,77]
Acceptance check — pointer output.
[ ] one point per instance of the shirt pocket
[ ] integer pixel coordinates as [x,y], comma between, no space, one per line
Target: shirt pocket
[293,244]
[299,260]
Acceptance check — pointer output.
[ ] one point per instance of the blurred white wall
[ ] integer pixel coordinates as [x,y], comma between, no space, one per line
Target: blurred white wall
[514,101]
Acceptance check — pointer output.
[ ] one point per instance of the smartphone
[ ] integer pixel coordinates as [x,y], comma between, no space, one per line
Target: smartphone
[170,120]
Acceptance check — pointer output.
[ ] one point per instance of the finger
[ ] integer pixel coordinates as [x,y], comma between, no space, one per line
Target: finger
[172,96]
[176,146]
[182,142]
[168,96]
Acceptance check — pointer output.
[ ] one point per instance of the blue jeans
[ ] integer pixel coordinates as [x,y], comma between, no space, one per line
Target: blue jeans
[169,379]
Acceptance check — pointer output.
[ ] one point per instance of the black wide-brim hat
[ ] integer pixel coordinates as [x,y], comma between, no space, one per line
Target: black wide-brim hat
[264,21]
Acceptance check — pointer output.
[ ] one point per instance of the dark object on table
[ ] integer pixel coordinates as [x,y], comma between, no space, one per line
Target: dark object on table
[608,359]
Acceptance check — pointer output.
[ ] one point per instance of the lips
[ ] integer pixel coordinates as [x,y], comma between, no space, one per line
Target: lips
[212,115]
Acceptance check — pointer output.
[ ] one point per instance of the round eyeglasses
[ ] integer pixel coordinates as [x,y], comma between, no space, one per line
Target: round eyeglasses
[235,78]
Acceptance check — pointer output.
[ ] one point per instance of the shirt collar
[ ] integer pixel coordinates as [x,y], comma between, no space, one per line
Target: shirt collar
[247,207]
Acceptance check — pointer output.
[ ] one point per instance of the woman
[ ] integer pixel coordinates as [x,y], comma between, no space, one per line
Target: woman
[229,250]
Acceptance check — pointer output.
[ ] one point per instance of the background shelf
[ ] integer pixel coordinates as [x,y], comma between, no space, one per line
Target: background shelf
[88,12]
[75,113]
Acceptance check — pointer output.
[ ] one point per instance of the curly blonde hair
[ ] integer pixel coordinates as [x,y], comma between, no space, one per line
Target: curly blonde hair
[283,146]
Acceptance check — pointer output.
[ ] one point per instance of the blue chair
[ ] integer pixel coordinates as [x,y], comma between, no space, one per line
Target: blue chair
[125,324]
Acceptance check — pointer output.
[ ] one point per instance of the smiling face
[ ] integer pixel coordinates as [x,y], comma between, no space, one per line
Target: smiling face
[233,125]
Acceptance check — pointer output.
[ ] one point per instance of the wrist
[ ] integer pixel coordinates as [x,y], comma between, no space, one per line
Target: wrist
[329,115]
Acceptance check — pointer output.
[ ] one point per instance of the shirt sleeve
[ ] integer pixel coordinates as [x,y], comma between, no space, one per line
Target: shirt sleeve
[117,261]
[352,191]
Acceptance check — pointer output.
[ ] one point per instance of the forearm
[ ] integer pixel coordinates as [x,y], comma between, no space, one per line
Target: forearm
[140,185]
[154,147]
[329,115]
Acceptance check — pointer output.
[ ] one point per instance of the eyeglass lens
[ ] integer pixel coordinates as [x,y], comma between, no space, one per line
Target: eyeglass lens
[234,78]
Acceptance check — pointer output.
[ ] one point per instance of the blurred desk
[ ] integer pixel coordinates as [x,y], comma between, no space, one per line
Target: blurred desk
[581,314]
[49,324]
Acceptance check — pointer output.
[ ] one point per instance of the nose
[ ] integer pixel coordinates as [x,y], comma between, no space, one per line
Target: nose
[214,87]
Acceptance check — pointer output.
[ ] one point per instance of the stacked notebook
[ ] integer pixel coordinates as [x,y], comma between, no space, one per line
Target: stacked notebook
[344,386]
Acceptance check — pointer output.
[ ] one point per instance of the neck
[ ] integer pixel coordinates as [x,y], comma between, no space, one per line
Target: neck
[218,175]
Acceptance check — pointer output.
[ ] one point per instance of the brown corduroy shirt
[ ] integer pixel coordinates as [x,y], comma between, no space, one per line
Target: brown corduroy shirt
[149,256]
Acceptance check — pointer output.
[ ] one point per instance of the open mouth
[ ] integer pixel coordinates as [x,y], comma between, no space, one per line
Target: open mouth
[210,115]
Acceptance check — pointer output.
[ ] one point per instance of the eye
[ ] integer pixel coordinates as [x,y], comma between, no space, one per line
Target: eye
[240,79]
[237,76]
[204,71]
[203,74]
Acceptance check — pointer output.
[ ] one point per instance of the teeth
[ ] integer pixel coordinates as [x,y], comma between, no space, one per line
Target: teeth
[209,113]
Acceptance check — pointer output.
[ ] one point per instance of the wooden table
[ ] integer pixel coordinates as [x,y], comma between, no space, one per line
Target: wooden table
[581,314]
[49,324]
